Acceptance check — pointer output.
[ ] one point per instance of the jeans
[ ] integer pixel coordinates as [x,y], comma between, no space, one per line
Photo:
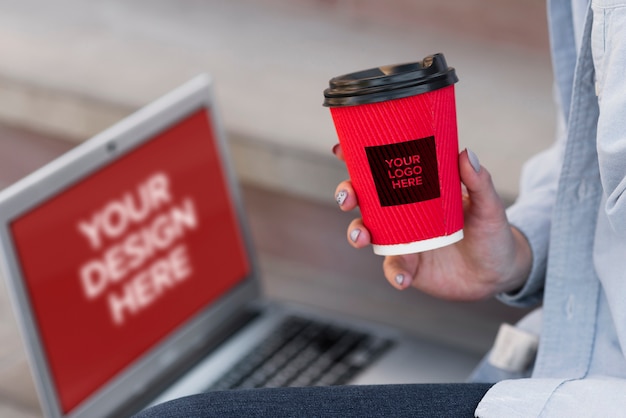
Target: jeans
[407,400]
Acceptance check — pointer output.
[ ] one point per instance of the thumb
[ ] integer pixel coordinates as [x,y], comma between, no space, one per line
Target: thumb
[484,201]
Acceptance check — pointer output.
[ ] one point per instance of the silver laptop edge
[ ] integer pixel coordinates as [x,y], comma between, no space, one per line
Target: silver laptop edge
[61,173]
[155,370]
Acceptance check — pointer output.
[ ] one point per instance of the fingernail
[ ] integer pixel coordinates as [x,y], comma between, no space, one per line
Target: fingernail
[400,279]
[473,159]
[354,234]
[335,148]
[341,197]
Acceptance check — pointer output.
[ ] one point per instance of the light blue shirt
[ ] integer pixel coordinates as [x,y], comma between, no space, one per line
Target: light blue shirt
[572,207]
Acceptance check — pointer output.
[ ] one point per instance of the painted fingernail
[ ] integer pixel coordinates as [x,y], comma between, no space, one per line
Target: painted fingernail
[335,148]
[473,159]
[341,197]
[354,234]
[400,279]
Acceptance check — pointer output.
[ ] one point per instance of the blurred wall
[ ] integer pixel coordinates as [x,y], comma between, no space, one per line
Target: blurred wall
[71,68]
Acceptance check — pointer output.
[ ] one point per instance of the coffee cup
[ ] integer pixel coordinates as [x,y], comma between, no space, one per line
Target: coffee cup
[397,127]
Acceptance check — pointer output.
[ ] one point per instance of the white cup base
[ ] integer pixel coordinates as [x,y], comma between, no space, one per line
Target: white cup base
[418,246]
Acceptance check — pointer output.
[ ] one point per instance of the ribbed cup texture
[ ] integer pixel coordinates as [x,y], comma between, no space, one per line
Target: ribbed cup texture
[401,120]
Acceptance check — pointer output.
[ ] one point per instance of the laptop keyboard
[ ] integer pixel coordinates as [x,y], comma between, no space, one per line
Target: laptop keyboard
[303,352]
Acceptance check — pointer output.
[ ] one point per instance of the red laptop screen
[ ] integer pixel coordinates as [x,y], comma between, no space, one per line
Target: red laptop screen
[116,262]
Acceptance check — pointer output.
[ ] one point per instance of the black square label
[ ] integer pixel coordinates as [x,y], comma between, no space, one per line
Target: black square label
[405,172]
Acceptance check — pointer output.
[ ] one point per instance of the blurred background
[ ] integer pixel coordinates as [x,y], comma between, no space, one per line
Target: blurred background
[71,68]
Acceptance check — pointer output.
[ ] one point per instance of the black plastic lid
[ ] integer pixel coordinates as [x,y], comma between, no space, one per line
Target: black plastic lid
[390,82]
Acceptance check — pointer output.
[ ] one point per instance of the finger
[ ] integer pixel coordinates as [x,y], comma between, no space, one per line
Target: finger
[398,271]
[338,151]
[358,235]
[345,196]
[484,201]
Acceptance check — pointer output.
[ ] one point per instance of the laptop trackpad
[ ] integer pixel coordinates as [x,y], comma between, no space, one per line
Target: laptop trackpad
[415,361]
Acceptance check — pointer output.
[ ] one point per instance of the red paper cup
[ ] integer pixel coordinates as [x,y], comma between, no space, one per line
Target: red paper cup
[397,128]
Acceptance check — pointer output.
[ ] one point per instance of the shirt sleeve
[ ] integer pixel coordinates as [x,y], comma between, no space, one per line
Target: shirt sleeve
[594,396]
[609,55]
[531,215]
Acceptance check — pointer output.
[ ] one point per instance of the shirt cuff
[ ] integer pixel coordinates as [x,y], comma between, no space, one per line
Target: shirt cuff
[601,396]
[517,398]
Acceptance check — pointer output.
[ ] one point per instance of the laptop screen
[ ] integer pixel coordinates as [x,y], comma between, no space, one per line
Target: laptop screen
[116,262]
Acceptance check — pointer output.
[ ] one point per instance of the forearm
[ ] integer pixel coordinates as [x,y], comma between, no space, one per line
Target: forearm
[521,264]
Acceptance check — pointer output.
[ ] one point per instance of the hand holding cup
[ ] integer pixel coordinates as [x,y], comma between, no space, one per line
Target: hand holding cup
[397,133]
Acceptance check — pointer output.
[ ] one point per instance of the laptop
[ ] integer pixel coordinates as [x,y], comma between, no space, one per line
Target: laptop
[134,281]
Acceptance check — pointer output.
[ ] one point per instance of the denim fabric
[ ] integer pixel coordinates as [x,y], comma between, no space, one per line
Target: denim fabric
[572,209]
[398,401]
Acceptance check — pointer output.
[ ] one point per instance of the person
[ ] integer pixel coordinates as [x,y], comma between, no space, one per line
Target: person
[561,245]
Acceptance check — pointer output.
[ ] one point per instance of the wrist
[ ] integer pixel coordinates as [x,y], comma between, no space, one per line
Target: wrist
[522,263]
